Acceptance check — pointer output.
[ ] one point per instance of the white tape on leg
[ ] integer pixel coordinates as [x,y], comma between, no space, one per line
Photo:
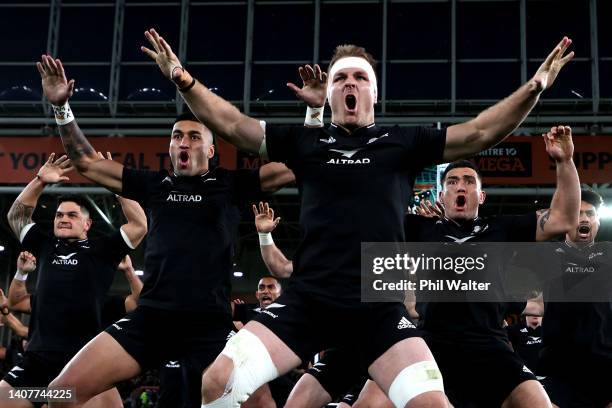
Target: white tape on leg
[253,367]
[414,380]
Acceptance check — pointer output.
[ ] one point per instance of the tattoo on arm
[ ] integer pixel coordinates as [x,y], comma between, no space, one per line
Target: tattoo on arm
[19,216]
[543,215]
[75,142]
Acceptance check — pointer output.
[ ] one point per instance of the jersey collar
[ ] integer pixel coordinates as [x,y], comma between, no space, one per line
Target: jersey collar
[368,130]
[81,243]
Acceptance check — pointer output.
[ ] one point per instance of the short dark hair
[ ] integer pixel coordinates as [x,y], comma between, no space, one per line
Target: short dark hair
[188,115]
[271,277]
[78,200]
[350,50]
[459,164]
[591,197]
[191,117]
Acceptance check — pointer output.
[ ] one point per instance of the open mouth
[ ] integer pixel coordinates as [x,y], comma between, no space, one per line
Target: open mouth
[350,101]
[584,231]
[183,158]
[266,299]
[460,202]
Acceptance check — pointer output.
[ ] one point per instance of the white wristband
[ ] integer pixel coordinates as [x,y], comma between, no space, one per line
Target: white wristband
[20,276]
[63,114]
[314,117]
[265,238]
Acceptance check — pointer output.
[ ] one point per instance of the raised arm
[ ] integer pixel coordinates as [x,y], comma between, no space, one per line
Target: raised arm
[499,121]
[564,209]
[220,116]
[273,176]
[20,213]
[83,156]
[9,319]
[18,296]
[278,265]
[313,92]
[314,84]
[136,226]
[131,301]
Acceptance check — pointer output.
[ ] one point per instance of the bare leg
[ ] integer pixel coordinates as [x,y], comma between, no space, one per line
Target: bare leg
[95,369]
[371,396]
[526,395]
[6,403]
[261,398]
[217,376]
[399,356]
[308,393]
[108,399]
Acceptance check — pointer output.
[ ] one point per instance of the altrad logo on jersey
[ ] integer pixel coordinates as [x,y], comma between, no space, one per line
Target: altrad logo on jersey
[575,268]
[65,260]
[183,198]
[347,157]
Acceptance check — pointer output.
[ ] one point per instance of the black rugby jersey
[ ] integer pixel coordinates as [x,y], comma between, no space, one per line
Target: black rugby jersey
[73,280]
[193,222]
[579,332]
[354,188]
[479,322]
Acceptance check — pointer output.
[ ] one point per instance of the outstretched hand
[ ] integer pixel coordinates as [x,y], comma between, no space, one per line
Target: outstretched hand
[55,86]
[559,144]
[264,218]
[314,86]
[163,56]
[53,171]
[548,71]
[429,210]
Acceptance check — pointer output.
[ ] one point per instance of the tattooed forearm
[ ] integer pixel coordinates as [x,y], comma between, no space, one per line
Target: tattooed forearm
[75,142]
[19,216]
[543,215]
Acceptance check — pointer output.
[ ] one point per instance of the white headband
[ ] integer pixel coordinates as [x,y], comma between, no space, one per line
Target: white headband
[353,62]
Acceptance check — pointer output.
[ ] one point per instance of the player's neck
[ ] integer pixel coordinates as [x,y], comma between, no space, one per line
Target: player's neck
[201,173]
[350,129]
[580,244]
[460,222]
[73,240]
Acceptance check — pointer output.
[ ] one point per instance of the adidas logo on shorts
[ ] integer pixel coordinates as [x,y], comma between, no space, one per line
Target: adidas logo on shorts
[405,323]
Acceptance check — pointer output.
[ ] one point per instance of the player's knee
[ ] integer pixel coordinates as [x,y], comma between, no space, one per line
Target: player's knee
[66,379]
[429,399]
[250,367]
[419,384]
[215,379]
[261,398]
[373,401]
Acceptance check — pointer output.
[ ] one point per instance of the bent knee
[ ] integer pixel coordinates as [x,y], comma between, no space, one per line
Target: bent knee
[81,390]
[429,399]
[216,378]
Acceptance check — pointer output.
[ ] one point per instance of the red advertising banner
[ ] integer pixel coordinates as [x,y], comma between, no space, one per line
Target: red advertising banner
[21,157]
[518,160]
[523,160]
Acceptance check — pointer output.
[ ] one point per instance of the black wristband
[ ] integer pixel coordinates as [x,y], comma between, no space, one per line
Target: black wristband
[188,87]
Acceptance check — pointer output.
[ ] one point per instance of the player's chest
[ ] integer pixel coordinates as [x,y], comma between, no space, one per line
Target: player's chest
[339,158]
